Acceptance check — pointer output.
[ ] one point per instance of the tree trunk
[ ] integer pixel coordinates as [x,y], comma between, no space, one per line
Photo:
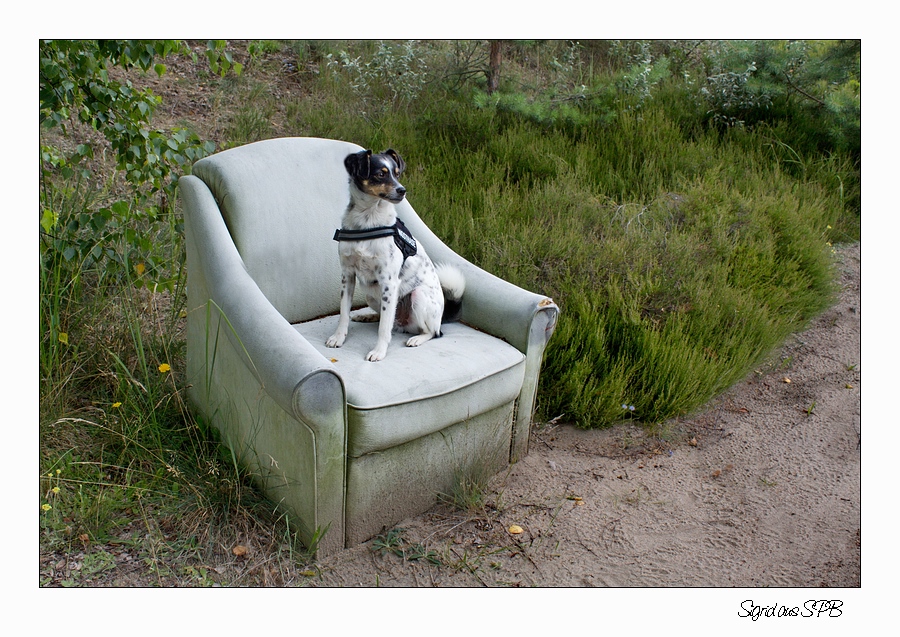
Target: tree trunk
[493,77]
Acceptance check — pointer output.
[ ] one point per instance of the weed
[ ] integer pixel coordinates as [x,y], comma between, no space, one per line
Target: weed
[392,542]
[92,566]
[468,493]
[395,542]
[394,75]
[199,577]
[664,432]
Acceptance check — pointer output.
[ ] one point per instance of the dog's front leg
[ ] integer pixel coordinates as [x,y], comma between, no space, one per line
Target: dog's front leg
[348,286]
[389,291]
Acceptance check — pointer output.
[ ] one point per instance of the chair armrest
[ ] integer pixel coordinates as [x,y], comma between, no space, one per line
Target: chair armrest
[521,318]
[297,377]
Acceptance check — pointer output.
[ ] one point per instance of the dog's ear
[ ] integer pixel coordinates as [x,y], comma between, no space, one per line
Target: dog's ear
[358,164]
[393,154]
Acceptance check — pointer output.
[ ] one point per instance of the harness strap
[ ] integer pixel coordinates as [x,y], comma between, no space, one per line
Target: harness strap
[402,237]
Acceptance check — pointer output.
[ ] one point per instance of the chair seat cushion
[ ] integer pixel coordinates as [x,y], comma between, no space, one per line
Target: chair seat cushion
[416,391]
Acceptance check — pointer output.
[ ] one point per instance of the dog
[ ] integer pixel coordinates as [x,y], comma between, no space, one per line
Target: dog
[403,288]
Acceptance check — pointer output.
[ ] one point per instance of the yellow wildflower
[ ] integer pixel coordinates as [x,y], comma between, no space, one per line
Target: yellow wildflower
[164,368]
[46,507]
[55,489]
[116,405]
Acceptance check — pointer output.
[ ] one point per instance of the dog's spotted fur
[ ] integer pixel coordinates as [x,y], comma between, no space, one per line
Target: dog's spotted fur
[408,294]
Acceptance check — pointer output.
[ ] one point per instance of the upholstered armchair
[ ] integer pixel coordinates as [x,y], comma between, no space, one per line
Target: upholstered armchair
[344,446]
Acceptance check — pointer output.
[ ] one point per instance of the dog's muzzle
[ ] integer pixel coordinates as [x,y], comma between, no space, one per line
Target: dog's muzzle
[397,196]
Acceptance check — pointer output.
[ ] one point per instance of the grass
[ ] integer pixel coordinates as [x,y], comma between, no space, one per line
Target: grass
[395,541]
[680,254]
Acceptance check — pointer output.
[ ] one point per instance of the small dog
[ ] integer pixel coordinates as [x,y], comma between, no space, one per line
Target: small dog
[404,289]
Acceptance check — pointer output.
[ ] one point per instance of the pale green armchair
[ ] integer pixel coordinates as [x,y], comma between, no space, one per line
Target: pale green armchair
[346,447]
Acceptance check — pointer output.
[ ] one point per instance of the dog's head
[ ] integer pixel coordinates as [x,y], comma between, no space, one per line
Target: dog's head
[377,175]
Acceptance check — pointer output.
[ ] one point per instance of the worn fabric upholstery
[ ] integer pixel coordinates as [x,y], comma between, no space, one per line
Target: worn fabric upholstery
[345,446]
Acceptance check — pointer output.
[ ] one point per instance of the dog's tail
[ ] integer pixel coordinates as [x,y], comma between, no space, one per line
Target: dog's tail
[453,284]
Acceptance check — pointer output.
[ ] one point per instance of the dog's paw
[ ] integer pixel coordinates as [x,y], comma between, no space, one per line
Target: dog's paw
[415,341]
[376,354]
[335,340]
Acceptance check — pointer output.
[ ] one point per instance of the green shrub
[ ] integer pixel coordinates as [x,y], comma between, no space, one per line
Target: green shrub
[679,258]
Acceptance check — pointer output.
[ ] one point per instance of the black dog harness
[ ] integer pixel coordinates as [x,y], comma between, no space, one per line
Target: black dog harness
[402,237]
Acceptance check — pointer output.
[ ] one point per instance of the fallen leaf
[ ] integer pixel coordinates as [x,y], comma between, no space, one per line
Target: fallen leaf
[239,550]
[848,386]
[693,442]
[515,529]
[786,379]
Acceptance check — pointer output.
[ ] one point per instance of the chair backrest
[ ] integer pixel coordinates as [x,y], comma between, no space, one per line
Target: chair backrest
[281,200]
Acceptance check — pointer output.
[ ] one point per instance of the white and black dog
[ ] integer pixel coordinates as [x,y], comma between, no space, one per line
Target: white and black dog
[403,287]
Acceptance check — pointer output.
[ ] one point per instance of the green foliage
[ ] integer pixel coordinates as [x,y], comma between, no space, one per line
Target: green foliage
[395,542]
[394,75]
[569,105]
[814,83]
[75,82]
[78,90]
[679,258]
[642,74]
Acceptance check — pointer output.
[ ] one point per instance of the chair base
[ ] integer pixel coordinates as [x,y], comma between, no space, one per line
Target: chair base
[386,487]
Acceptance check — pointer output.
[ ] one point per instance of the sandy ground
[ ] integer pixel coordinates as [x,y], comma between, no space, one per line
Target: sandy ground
[762,488]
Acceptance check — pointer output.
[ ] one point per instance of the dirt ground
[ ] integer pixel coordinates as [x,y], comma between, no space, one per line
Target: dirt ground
[762,488]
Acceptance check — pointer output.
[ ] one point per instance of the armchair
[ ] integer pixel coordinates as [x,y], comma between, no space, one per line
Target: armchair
[345,446]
